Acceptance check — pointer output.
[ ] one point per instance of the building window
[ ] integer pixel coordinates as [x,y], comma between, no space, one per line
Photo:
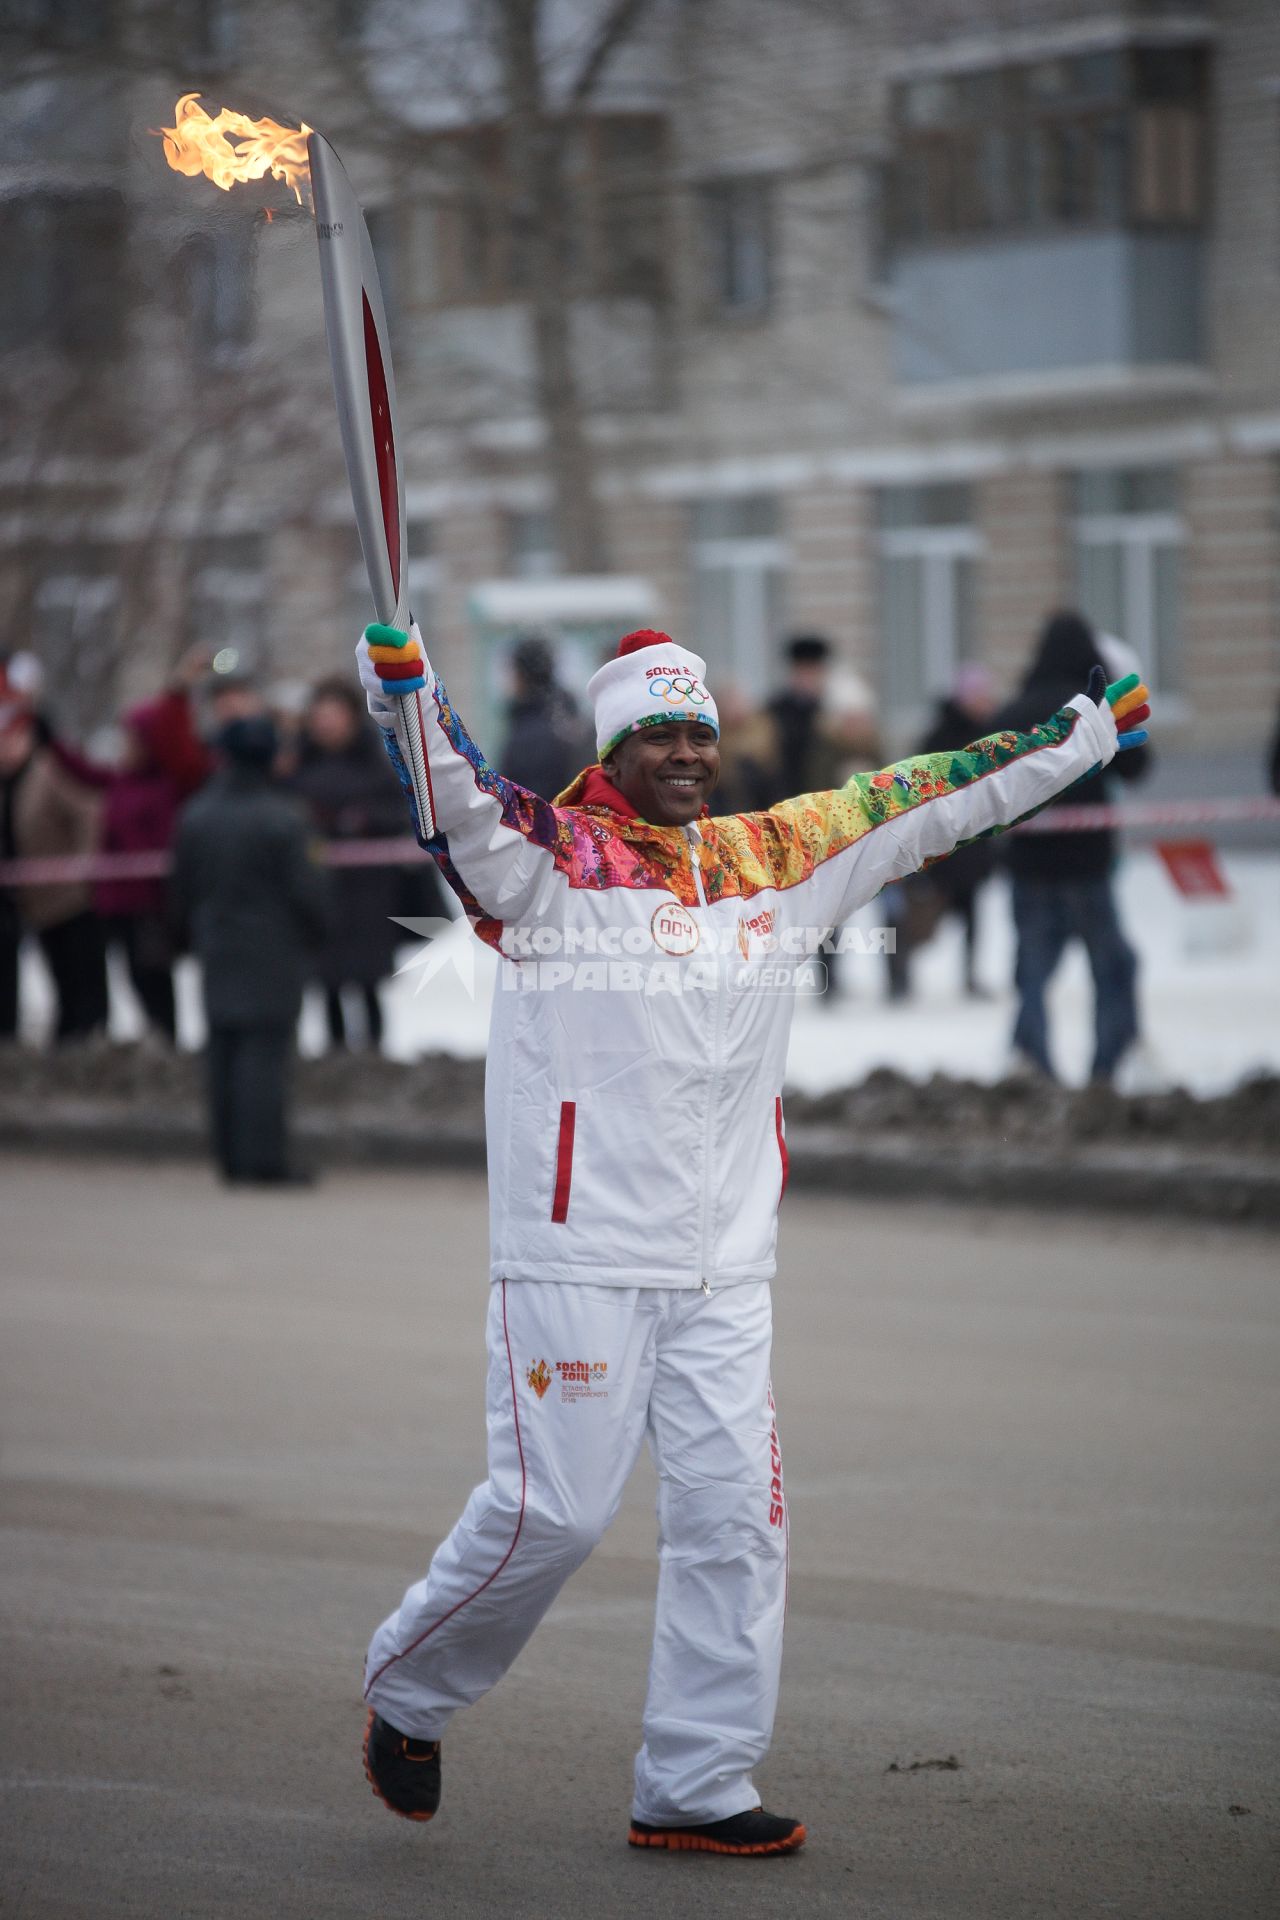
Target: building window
[739,581]
[422,580]
[1113,137]
[626,159]
[877,226]
[613,176]
[1169,135]
[475,248]
[928,555]
[531,548]
[227,597]
[737,234]
[218,269]
[63,283]
[1128,563]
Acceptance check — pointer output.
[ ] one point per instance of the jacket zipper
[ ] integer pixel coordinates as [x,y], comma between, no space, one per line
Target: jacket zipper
[695,839]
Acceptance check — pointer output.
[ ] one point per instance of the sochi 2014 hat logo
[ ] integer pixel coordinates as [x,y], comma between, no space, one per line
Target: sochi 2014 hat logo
[674,929]
[539,1377]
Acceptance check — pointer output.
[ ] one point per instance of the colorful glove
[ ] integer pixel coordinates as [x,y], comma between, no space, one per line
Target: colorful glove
[391,664]
[1129,702]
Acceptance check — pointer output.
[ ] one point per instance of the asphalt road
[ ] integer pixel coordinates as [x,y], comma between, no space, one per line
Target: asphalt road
[1032,1467]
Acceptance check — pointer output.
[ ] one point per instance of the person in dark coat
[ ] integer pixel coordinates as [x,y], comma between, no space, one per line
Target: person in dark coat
[806,758]
[342,776]
[816,732]
[547,743]
[951,885]
[1062,882]
[250,892]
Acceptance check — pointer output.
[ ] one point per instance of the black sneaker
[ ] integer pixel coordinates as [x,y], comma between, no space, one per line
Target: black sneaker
[404,1773]
[754,1832]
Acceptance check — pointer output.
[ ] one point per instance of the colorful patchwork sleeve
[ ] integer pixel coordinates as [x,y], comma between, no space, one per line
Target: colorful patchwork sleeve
[847,844]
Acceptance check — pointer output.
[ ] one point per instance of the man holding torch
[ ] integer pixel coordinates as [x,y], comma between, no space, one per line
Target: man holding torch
[637,1148]
[637,1157]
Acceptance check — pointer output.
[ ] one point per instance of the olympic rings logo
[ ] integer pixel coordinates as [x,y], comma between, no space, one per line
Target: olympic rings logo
[679,690]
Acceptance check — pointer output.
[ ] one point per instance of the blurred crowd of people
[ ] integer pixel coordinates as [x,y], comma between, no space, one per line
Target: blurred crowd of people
[57,801]
[237,802]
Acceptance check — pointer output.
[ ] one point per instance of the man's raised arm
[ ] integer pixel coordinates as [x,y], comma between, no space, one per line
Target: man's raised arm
[881,826]
[496,837]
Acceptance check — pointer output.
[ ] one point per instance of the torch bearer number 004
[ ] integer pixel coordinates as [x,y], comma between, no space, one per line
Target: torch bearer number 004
[364,387]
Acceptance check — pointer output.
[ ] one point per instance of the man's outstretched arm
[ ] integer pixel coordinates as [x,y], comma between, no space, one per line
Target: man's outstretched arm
[850,842]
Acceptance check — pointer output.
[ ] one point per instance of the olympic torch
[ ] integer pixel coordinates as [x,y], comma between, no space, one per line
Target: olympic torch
[229,149]
[364,387]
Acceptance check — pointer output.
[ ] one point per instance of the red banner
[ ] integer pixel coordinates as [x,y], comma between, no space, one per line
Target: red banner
[1192,865]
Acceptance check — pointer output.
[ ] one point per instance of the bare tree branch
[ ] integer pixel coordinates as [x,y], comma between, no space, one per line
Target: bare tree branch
[622,18]
[536,143]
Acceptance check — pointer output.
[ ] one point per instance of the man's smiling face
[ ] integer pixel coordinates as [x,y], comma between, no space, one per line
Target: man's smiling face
[667,772]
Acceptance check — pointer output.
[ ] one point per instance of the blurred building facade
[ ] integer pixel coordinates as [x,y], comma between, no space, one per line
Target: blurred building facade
[903,322]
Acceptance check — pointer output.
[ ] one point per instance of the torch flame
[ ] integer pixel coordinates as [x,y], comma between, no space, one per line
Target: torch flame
[197,144]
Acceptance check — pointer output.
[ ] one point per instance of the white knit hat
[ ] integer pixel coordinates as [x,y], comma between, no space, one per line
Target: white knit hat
[650,681]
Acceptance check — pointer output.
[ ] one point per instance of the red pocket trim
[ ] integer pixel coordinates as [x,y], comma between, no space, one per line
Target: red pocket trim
[564,1160]
[783,1155]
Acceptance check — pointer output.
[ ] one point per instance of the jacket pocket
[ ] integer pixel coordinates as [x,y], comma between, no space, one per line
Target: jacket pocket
[780,1129]
[564,1161]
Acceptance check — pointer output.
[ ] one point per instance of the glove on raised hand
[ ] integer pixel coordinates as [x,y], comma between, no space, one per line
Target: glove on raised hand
[391,664]
[1129,702]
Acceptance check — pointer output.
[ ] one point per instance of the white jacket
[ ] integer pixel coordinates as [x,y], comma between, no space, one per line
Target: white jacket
[637,1049]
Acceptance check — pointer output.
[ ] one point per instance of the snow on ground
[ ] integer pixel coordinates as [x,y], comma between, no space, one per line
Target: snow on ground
[1209,984]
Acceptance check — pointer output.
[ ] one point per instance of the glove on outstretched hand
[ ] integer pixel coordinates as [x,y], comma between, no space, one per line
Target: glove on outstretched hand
[1129,702]
[391,664]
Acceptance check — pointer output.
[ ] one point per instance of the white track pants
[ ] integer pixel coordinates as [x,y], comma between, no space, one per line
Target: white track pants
[578,1375]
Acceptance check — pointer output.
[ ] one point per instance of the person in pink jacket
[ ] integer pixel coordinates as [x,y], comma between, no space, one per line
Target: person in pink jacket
[164,763]
[637,1159]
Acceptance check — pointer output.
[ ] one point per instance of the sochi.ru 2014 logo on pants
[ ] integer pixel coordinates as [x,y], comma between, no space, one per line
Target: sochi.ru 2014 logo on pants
[579,1379]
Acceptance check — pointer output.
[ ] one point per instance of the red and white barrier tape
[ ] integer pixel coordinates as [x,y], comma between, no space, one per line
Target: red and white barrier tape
[1151,813]
[399,852]
[79,867]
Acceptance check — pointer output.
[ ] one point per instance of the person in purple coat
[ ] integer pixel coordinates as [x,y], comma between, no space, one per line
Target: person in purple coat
[163,763]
